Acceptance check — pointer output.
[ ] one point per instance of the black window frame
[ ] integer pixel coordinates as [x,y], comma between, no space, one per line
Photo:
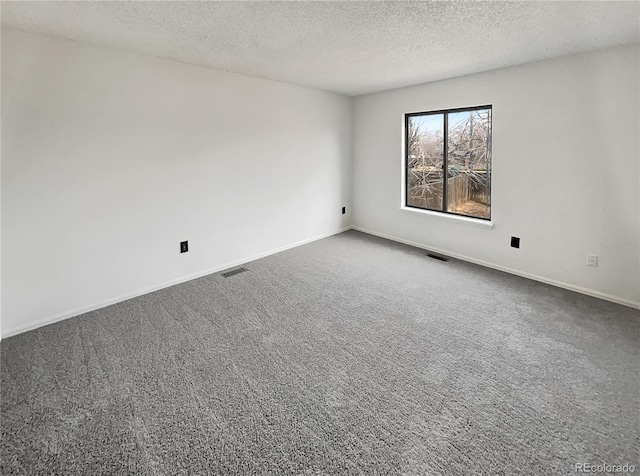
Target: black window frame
[445,113]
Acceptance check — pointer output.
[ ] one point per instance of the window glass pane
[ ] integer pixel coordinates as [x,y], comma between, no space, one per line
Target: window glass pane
[469,163]
[425,159]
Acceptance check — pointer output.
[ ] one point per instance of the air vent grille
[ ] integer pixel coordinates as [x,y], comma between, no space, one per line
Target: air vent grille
[233,272]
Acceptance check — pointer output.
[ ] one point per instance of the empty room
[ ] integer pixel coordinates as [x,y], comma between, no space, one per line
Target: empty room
[341,237]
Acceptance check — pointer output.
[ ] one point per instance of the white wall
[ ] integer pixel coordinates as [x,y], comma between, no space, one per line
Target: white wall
[565,170]
[110,159]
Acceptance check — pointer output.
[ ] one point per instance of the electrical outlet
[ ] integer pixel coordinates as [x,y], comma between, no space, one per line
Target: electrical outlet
[344,210]
[515,242]
[184,246]
[592,260]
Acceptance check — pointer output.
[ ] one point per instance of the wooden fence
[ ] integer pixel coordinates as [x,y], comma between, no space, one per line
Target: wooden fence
[459,190]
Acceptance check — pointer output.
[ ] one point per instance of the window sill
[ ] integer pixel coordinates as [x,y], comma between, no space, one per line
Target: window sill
[452,218]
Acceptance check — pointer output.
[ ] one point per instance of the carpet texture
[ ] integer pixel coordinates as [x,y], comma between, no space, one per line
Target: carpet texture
[349,355]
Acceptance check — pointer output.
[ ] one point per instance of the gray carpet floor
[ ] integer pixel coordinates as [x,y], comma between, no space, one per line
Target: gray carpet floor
[349,355]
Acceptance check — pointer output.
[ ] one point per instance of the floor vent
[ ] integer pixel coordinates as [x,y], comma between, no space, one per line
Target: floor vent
[233,272]
[439,258]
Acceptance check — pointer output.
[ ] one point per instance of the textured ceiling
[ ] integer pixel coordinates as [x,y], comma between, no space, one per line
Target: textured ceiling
[347,47]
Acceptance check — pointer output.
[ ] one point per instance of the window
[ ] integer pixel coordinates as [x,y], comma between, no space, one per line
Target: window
[448,161]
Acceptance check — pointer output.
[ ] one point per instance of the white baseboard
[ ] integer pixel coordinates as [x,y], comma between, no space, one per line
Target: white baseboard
[542,279]
[123,297]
